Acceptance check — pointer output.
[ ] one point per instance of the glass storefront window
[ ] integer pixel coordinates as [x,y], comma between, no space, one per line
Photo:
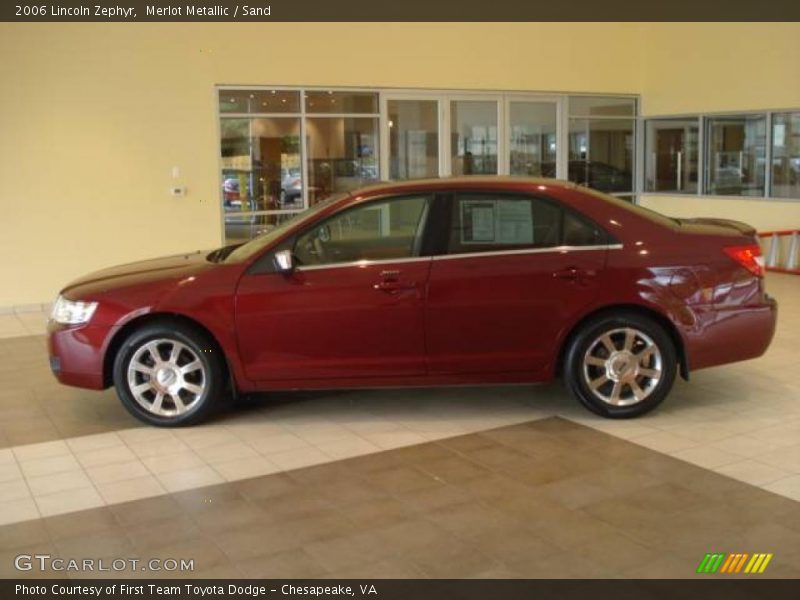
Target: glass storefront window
[786,155]
[413,138]
[601,154]
[532,138]
[473,133]
[342,155]
[259,101]
[261,167]
[341,102]
[671,155]
[283,150]
[736,155]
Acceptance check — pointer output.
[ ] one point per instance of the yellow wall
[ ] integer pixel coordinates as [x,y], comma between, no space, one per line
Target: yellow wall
[707,67]
[94,116]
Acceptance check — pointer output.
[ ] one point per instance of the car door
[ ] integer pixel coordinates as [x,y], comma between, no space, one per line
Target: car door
[512,272]
[352,307]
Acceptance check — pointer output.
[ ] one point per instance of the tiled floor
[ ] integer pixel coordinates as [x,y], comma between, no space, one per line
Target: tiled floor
[543,499]
[65,450]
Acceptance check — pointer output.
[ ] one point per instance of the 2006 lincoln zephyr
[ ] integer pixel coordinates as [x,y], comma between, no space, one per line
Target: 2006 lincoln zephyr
[442,282]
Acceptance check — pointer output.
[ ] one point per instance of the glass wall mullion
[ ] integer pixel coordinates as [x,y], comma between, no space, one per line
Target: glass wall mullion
[304,149]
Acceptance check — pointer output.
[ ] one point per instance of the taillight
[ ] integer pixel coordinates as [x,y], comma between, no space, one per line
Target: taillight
[749,257]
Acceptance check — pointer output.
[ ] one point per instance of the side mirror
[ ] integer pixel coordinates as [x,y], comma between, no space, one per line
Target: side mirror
[284,262]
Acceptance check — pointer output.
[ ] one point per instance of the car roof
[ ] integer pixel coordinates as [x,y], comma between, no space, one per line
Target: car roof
[461,182]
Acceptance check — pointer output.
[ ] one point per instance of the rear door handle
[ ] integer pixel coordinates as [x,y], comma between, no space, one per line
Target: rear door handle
[574,274]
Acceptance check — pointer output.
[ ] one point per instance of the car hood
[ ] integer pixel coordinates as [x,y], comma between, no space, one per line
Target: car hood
[167,267]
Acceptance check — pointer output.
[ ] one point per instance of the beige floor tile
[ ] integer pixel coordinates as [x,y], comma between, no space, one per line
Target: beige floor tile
[14,490]
[43,450]
[115,492]
[7,457]
[789,487]
[69,501]
[319,433]
[664,441]
[206,437]
[235,470]
[10,472]
[185,479]
[173,462]
[271,444]
[117,472]
[159,447]
[787,458]
[228,451]
[752,472]
[58,482]
[100,457]
[49,466]
[745,446]
[353,446]
[707,456]
[396,438]
[301,457]
[89,443]
[14,511]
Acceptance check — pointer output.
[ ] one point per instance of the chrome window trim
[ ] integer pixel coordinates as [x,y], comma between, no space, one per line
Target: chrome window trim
[390,261]
[550,250]
[364,263]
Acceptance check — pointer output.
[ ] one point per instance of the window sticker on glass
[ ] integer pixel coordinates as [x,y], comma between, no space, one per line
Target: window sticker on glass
[514,222]
[496,222]
[477,222]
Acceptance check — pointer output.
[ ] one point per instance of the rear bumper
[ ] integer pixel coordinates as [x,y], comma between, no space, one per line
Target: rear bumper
[732,334]
[76,354]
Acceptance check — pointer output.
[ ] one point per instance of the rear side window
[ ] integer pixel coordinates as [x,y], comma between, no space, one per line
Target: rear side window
[579,231]
[487,222]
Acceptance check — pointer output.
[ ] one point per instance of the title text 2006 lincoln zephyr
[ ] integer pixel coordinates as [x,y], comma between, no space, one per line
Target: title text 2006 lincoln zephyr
[442,282]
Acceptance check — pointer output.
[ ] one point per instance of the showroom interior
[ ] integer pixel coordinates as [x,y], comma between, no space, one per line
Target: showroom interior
[123,143]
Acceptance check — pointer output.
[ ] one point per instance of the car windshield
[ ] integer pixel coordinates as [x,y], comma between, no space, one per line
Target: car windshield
[257,244]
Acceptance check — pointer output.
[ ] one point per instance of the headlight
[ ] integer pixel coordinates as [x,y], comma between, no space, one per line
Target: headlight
[70,312]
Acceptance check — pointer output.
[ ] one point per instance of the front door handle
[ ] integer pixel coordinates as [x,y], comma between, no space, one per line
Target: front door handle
[390,283]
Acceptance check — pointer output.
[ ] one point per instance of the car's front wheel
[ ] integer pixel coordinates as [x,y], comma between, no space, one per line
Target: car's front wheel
[620,365]
[168,374]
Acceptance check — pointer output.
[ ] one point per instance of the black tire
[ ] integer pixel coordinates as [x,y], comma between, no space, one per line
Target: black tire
[587,338]
[209,375]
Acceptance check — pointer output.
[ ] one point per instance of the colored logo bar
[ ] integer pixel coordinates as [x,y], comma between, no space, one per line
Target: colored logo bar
[733,563]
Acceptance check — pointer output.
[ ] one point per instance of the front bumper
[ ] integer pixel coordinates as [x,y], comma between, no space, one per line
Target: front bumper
[77,354]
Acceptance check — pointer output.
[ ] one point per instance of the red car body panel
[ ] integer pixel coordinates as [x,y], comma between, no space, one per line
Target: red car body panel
[492,318]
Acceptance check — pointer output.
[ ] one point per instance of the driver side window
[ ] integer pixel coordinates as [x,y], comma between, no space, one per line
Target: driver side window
[380,230]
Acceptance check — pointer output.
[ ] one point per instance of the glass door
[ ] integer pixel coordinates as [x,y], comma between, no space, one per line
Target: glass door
[412,138]
[474,144]
[532,133]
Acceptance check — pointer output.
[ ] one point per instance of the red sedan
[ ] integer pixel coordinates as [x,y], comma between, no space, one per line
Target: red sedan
[442,282]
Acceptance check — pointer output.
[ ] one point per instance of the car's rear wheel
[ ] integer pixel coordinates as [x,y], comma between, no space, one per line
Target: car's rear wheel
[620,365]
[168,374]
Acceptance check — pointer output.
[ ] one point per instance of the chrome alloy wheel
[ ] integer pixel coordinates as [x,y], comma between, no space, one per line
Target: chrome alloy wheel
[166,377]
[622,367]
